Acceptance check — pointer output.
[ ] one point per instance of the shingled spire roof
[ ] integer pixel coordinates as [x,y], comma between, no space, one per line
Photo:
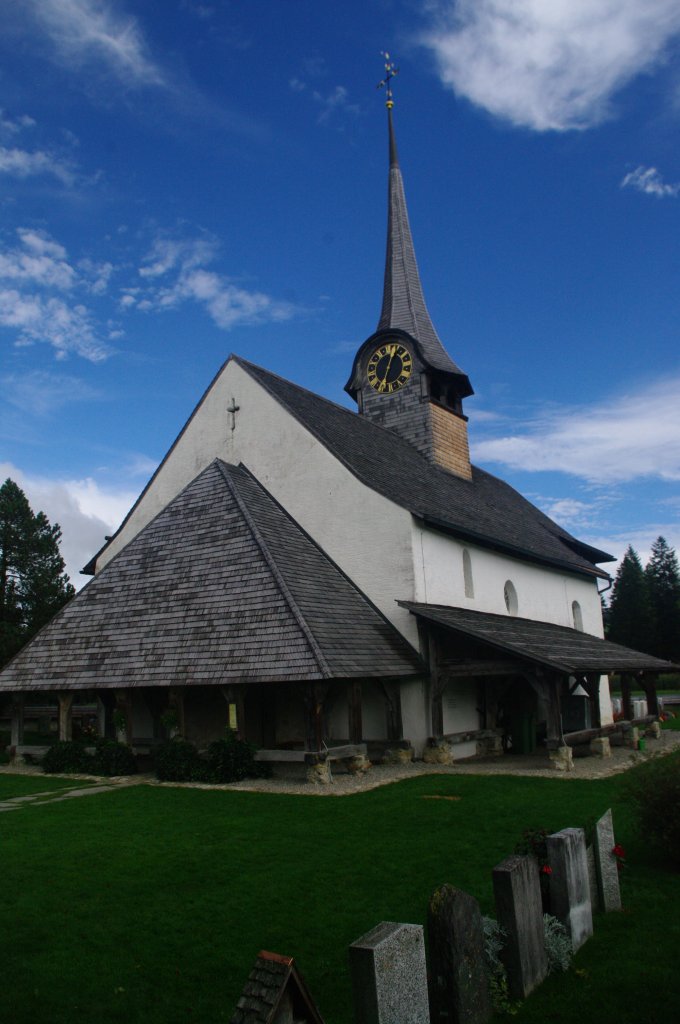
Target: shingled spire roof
[403,304]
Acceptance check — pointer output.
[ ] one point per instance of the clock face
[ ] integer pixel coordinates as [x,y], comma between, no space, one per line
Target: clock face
[389,368]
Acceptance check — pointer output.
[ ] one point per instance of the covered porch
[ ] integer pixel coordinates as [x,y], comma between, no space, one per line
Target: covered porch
[532,687]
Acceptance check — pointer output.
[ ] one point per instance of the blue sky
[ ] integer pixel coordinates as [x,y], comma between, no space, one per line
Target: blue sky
[182,179]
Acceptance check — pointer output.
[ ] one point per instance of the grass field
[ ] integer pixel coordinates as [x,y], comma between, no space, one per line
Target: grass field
[150,904]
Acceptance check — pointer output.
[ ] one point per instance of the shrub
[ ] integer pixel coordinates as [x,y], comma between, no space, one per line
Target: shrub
[67,756]
[558,945]
[178,760]
[231,759]
[111,758]
[654,791]
[494,940]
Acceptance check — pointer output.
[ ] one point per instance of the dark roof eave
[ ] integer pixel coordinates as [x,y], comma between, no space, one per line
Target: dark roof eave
[509,549]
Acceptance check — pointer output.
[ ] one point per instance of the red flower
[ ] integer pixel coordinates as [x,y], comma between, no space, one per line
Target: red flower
[619,851]
[546,870]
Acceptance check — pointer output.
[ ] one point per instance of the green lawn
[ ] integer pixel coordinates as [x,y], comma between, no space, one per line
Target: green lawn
[150,904]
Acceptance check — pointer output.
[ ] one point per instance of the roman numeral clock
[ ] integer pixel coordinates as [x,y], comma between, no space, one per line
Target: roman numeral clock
[389,367]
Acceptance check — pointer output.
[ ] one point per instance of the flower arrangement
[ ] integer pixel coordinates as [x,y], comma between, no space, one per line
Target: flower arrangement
[620,854]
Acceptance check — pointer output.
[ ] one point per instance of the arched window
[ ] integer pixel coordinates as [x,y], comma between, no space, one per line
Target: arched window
[510,595]
[577,616]
[467,574]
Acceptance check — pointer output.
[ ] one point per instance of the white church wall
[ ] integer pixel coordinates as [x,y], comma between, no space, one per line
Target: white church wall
[542,593]
[366,534]
[416,714]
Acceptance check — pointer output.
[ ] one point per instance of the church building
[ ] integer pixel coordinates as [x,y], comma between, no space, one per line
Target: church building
[333,582]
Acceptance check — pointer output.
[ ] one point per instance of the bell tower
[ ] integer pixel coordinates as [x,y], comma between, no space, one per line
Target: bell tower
[402,376]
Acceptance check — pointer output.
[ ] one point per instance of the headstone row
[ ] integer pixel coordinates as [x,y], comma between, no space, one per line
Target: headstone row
[388,965]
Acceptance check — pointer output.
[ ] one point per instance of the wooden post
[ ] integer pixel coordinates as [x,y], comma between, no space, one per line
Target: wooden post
[17,733]
[354,711]
[314,698]
[591,685]
[649,686]
[65,715]
[124,708]
[176,701]
[625,697]
[554,734]
[392,696]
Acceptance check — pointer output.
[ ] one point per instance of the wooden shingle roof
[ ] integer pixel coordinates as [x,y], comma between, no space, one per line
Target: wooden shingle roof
[556,647]
[221,587]
[483,510]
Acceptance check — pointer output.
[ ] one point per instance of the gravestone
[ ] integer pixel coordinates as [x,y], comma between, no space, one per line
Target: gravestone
[569,889]
[275,993]
[459,986]
[606,863]
[389,975]
[517,890]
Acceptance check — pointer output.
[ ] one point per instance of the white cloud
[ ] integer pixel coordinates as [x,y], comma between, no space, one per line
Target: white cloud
[28,275]
[548,64]
[649,181]
[85,510]
[87,31]
[174,272]
[334,101]
[19,163]
[41,393]
[628,437]
[13,125]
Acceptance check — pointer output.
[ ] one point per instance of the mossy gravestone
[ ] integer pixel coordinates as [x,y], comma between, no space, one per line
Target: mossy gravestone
[459,986]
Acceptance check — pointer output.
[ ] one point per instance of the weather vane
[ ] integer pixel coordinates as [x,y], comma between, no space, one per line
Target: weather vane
[390,72]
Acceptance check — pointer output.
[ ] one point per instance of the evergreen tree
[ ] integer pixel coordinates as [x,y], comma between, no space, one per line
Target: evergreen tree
[629,621]
[33,584]
[663,585]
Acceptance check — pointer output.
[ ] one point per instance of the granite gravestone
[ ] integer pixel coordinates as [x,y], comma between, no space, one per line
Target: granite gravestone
[606,864]
[519,911]
[389,975]
[569,888]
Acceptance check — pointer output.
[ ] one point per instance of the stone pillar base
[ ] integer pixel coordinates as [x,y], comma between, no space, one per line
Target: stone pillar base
[441,753]
[600,747]
[319,774]
[398,755]
[358,765]
[490,745]
[562,759]
[653,730]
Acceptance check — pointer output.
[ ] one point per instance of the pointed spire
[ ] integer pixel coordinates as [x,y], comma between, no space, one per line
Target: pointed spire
[403,301]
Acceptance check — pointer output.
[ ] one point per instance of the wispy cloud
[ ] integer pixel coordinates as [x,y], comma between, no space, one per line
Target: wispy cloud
[334,102]
[40,393]
[85,31]
[175,271]
[30,275]
[649,181]
[547,65]
[13,125]
[22,163]
[629,437]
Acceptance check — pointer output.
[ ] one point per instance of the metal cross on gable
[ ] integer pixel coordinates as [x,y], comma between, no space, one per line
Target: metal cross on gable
[232,410]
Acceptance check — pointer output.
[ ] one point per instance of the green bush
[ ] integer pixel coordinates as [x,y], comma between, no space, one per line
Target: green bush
[654,791]
[112,758]
[67,756]
[178,760]
[231,759]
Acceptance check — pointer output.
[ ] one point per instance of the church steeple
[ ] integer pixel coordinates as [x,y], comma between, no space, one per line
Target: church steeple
[403,377]
[403,304]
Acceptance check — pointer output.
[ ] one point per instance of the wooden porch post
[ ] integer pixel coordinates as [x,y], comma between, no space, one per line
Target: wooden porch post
[314,696]
[65,715]
[554,734]
[649,686]
[392,695]
[625,697]
[17,733]
[354,711]
[592,688]
[234,695]
[176,701]
[123,712]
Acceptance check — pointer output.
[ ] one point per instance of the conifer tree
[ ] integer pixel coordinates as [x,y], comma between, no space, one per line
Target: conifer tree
[33,584]
[629,621]
[663,586]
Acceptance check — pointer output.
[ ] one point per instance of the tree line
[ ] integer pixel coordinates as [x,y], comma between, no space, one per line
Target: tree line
[644,609]
[33,581]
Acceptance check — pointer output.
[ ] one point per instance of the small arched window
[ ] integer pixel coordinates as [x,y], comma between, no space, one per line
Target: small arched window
[467,574]
[510,595]
[577,616]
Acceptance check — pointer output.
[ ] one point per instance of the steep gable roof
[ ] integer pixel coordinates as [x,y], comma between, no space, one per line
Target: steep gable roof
[221,587]
[483,510]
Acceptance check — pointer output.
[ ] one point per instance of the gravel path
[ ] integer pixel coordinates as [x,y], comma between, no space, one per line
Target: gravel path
[344,784]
